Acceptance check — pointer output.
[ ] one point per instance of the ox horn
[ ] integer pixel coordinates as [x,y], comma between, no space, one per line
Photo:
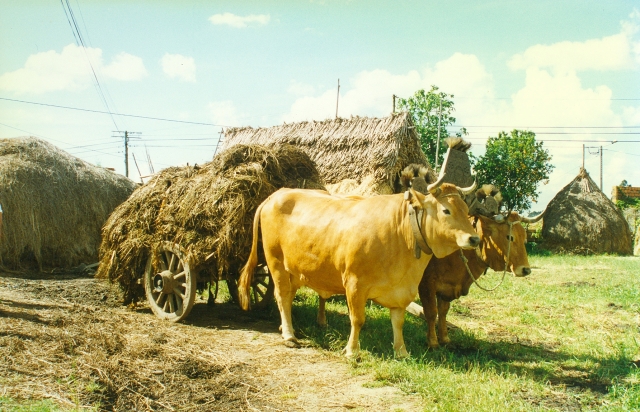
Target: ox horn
[532,219]
[467,190]
[433,187]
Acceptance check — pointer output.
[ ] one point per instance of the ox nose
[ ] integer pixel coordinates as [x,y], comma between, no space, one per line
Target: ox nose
[526,271]
[474,240]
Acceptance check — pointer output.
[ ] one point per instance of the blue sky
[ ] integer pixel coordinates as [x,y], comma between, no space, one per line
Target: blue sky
[569,71]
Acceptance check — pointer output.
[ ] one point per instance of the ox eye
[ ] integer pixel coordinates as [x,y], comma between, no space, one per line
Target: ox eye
[446,211]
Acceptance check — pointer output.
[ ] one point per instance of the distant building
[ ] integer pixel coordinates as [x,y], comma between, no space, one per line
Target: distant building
[621,192]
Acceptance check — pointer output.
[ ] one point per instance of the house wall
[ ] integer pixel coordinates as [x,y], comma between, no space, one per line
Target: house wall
[619,192]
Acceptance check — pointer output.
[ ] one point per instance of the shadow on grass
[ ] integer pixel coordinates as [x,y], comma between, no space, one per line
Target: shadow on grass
[466,351]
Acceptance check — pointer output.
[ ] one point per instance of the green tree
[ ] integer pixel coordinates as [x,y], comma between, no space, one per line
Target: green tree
[516,163]
[425,109]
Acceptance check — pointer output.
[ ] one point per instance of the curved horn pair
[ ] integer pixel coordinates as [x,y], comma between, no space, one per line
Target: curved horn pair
[433,187]
[532,219]
[468,190]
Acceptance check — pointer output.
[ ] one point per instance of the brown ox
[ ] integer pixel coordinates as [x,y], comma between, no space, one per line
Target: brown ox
[445,279]
[364,248]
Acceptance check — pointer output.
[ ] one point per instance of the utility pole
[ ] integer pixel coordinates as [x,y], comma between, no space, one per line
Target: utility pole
[337,98]
[582,155]
[438,141]
[126,136]
[601,169]
[394,104]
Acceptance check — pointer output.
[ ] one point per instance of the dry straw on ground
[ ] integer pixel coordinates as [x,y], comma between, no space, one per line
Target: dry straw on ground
[54,204]
[581,219]
[369,153]
[208,210]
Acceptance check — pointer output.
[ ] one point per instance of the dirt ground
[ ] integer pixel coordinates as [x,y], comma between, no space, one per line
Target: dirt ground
[65,337]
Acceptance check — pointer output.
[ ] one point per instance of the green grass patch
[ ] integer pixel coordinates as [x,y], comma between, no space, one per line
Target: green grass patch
[11,405]
[565,338]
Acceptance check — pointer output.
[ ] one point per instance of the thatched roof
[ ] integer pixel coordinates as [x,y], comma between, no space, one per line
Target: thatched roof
[208,210]
[366,152]
[54,204]
[582,219]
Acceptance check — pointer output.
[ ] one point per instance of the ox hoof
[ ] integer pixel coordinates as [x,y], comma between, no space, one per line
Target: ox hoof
[401,354]
[291,344]
[433,345]
[444,341]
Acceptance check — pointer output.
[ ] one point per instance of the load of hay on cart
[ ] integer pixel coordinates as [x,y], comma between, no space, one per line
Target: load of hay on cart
[190,227]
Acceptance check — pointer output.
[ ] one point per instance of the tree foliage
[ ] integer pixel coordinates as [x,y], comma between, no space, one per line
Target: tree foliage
[516,163]
[425,109]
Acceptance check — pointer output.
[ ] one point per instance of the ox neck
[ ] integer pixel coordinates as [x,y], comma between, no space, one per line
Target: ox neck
[421,245]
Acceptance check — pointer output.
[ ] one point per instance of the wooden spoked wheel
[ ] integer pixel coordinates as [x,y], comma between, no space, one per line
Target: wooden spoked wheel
[169,284]
[261,288]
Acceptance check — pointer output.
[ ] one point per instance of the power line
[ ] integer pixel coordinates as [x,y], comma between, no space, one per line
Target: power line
[80,43]
[115,114]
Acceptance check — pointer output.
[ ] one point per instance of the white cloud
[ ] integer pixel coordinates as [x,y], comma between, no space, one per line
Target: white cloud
[239,22]
[224,113]
[370,93]
[614,52]
[69,70]
[179,66]
[125,67]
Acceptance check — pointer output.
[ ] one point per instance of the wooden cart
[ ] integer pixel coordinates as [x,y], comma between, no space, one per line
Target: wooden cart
[171,279]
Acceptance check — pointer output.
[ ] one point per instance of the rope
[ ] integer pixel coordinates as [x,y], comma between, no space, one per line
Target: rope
[506,263]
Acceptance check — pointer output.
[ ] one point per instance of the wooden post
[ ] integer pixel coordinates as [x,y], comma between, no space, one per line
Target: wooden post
[337,98]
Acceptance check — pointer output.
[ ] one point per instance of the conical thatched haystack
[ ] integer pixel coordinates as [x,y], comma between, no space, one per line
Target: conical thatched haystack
[581,219]
[207,210]
[359,155]
[54,204]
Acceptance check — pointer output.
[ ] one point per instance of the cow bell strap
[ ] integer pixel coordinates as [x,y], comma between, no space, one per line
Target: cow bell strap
[421,243]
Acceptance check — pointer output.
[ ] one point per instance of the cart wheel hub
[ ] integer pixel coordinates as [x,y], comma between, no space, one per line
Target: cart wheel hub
[164,282]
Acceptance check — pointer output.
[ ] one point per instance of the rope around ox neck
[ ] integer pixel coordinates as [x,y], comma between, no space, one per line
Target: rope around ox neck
[506,263]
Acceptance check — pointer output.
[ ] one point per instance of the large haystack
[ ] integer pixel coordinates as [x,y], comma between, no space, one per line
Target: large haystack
[581,219]
[54,204]
[207,210]
[358,156]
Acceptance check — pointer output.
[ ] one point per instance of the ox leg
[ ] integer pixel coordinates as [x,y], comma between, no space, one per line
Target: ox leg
[430,313]
[356,303]
[284,293]
[322,316]
[397,321]
[443,333]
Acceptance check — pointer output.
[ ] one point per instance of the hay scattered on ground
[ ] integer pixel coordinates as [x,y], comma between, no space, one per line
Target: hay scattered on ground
[54,204]
[581,219]
[208,210]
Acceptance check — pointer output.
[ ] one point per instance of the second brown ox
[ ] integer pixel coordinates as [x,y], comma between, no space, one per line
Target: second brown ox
[502,247]
[364,248]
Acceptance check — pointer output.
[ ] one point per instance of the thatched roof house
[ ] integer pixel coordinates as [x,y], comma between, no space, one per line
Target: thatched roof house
[359,155]
[581,219]
[54,204]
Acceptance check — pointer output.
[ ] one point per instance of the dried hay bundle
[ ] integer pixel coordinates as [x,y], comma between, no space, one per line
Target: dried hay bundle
[371,151]
[54,204]
[581,219]
[207,210]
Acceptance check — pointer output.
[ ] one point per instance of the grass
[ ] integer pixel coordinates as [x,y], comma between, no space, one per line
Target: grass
[10,405]
[565,338]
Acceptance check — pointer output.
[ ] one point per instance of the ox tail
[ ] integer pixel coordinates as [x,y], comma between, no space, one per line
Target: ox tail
[246,276]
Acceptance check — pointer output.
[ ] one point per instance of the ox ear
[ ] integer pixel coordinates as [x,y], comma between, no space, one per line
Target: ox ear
[413,198]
